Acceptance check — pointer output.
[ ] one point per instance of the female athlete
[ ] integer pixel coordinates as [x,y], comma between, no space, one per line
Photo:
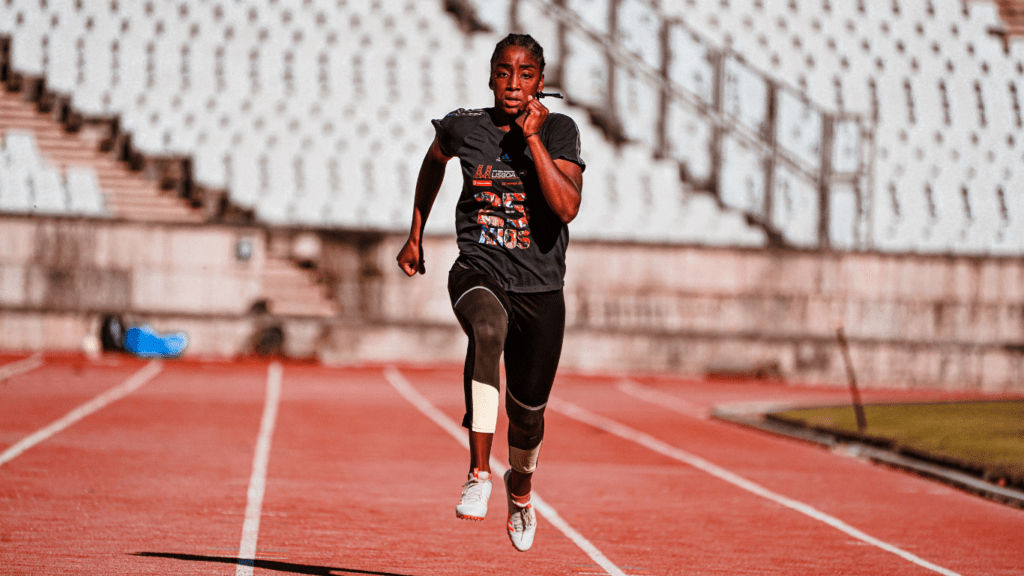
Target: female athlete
[522,179]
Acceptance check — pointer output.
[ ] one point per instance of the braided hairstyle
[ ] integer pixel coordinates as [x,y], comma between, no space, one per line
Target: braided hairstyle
[522,41]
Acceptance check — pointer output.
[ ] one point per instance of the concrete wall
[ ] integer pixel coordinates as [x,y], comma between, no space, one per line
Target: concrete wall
[99,265]
[58,276]
[936,321]
[911,320]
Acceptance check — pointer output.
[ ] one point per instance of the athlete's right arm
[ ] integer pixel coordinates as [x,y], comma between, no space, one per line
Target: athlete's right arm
[428,183]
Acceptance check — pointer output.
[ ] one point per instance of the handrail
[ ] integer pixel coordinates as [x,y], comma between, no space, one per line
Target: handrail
[765,143]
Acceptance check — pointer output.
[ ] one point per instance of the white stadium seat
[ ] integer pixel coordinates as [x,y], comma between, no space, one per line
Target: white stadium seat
[84,192]
[21,151]
[240,87]
[48,190]
[15,190]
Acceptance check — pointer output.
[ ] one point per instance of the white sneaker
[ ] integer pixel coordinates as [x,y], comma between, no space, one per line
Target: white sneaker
[522,521]
[475,493]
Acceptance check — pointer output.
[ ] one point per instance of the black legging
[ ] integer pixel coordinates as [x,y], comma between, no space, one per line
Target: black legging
[528,328]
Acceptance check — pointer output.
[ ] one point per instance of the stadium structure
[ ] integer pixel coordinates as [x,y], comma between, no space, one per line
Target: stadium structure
[759,173]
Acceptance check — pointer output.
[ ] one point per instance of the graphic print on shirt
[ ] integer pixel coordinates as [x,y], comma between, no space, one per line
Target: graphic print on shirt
[504,220]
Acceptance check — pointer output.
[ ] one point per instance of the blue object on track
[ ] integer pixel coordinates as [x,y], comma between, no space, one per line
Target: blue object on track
[145,342]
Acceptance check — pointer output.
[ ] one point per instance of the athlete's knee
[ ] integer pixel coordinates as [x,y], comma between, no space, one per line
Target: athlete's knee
[489,334]
[486,318]
[525,421]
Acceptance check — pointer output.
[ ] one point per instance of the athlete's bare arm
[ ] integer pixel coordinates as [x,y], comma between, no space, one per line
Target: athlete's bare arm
[561,181]
[428,183]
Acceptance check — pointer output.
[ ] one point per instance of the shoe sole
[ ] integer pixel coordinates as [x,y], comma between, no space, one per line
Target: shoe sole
[474,518]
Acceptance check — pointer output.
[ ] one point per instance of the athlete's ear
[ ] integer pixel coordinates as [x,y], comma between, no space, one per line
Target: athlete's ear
[490,82]
[540,86]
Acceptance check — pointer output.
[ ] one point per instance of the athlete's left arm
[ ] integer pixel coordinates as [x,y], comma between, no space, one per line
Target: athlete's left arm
[561,181]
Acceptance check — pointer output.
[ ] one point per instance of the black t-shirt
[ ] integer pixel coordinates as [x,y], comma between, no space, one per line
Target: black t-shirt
[503,223]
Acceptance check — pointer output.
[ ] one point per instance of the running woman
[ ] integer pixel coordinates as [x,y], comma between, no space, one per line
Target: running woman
[522,180]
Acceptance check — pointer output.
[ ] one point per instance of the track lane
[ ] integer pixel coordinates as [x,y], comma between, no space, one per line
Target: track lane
[498,469]
[954,530]
[162,471]
[35,398]
[629,503]
[84,410]
[361,482]
[10,368]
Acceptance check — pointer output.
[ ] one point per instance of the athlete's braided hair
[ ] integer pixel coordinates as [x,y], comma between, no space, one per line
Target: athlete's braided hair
[522,41]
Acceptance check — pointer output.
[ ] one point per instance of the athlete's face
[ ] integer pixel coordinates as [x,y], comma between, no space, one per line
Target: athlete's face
[515,78]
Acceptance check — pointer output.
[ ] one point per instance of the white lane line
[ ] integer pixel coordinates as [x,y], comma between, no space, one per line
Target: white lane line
[21,366]
[258,479]
[663,399]
[622,431]
[402,385]
[109,397]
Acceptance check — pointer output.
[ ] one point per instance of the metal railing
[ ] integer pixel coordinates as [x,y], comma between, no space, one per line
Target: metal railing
[809,182]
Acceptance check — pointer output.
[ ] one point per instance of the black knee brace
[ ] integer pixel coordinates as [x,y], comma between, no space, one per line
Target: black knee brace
[525,424]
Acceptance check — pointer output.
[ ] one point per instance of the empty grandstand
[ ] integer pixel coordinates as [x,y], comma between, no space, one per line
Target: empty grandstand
[849,125]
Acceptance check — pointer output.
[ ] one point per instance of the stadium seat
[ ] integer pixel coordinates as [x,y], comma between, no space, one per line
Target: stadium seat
[795,207]
[585,69]
[495,13]
[49,193]
[594,13]
[62,72]
[688,136]
[690,64]
[15,190]
[22,152]
[637,101]
[639,27]
[84,192]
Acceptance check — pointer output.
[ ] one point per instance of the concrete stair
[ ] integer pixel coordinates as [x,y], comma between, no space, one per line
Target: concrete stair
[128,195]
[294,291]
[289,289]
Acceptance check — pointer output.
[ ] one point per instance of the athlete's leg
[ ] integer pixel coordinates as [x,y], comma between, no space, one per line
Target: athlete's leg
[532,350]
[484,320]
[475,300]
[525,435]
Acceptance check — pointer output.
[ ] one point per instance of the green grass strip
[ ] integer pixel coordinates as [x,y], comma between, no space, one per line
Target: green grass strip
[986,438]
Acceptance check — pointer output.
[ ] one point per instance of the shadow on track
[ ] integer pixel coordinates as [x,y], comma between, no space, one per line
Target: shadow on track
[266,564]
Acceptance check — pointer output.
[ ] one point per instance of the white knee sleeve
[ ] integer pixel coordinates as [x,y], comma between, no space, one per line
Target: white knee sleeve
[524,461]
[485,407]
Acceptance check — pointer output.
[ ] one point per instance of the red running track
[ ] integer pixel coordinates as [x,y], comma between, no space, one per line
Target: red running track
[362,476]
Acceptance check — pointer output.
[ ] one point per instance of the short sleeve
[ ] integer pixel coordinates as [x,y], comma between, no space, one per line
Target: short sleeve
[449,135]
[563,139]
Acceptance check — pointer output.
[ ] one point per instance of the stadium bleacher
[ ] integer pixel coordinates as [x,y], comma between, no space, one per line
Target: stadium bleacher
[315,114]
[946,139]
[933,86]
[305,113]
[29,184]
